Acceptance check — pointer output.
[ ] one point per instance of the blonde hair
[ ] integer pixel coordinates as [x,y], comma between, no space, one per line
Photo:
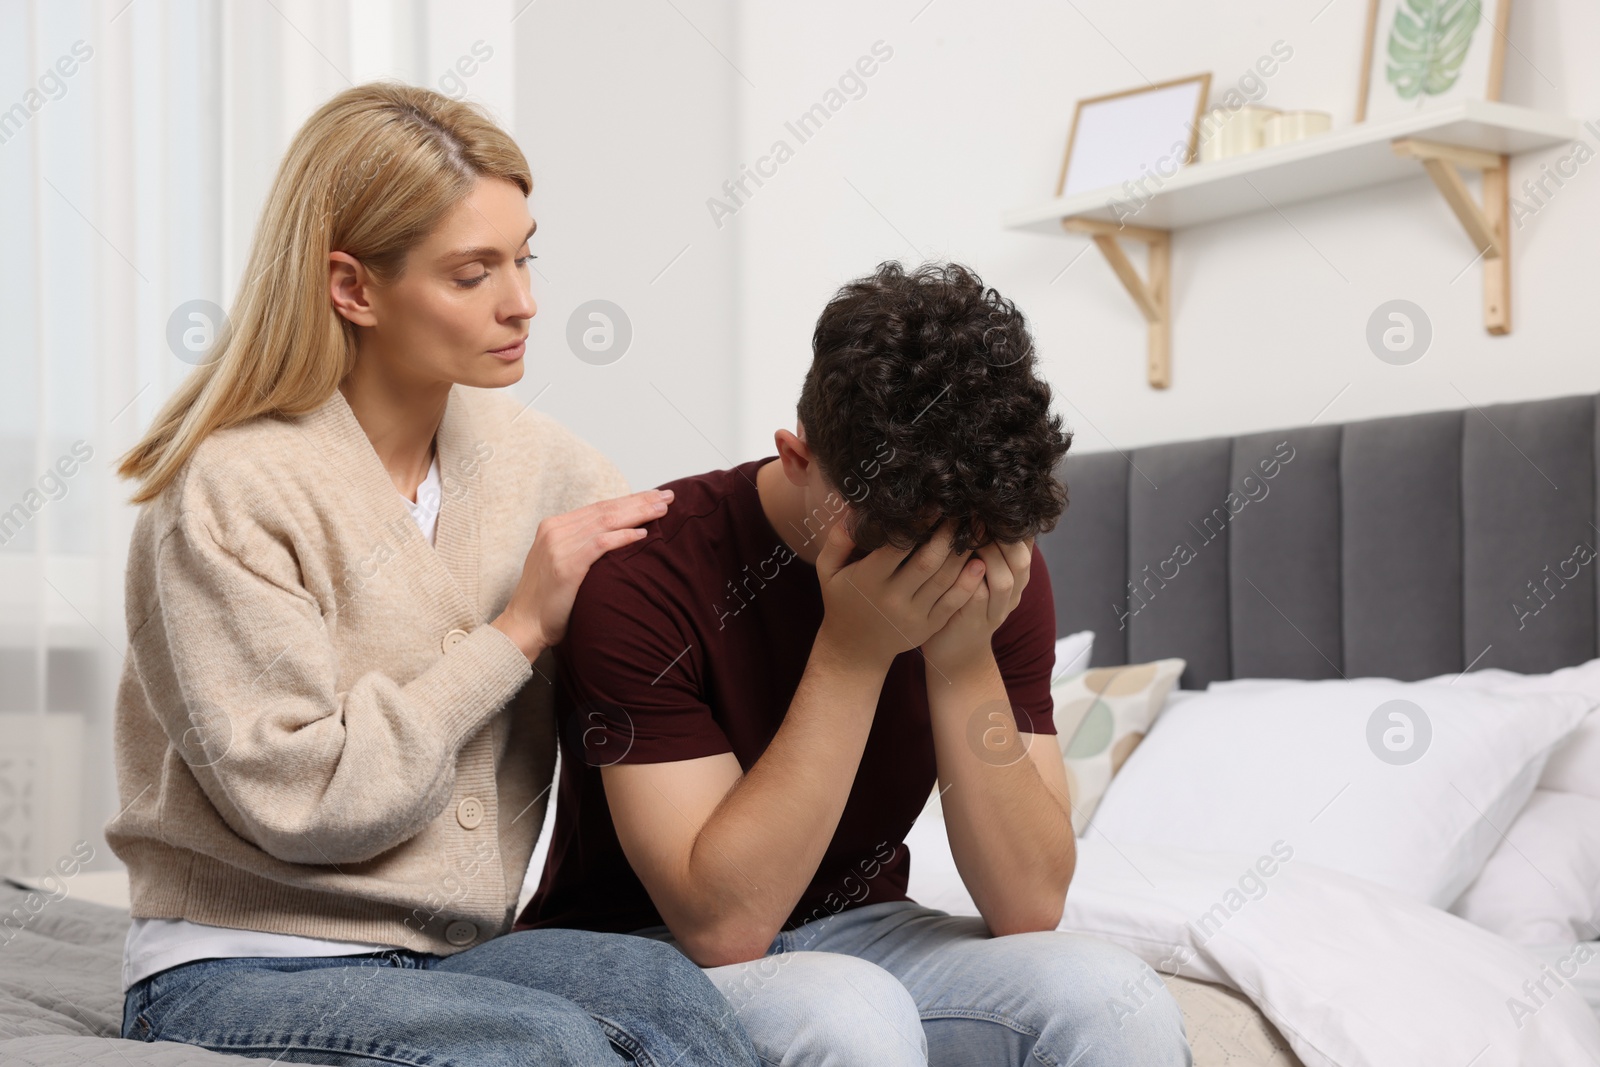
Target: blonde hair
[371,173]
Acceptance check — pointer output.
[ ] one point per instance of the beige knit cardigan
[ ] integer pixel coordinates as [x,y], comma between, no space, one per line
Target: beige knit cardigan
[317,731]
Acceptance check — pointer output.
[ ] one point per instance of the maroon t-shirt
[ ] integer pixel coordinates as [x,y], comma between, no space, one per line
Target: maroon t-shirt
[691,642]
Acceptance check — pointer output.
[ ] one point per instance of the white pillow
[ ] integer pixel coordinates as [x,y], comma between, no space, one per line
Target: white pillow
[1583,678]
[1575,767]
[1072,654]
[1542,884]
[1236,771]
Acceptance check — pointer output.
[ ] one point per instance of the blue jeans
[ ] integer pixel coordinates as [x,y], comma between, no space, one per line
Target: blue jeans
[552,998]
[895,983]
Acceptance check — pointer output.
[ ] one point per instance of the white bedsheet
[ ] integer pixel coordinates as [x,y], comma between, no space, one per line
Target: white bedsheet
[1587,980]
[1352,974]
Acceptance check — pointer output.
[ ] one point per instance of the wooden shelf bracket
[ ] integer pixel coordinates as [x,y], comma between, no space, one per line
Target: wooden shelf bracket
[1487,225]
[1447,142]
[1152,295]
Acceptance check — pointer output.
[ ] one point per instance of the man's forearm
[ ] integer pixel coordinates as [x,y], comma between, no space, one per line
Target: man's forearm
[1011,837]
[755,855]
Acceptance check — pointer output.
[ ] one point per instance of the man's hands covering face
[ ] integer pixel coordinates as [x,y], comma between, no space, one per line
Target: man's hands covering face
[896,599]
[968,633]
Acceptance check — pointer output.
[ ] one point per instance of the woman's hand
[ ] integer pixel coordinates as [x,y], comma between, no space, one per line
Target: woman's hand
[564,547]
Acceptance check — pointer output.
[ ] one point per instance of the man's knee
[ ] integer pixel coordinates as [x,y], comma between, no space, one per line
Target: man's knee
[824,1008]
[1109,998]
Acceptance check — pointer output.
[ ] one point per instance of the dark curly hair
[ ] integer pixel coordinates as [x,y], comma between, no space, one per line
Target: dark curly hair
[923,404]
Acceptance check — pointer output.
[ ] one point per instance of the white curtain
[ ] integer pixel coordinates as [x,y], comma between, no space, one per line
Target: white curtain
[138,139]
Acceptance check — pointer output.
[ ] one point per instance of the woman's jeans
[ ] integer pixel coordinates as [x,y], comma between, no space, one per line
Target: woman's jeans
[548,997]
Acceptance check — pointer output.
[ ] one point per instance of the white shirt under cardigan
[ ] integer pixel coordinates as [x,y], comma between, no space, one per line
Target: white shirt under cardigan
[154,945]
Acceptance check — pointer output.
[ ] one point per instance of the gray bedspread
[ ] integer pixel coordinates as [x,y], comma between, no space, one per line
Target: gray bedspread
[61,989]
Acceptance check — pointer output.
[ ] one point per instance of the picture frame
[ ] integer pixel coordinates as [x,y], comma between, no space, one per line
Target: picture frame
[1115,136]
[1424,53]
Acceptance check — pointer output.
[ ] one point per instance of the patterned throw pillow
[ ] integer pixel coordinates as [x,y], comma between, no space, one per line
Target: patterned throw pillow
[1101,716]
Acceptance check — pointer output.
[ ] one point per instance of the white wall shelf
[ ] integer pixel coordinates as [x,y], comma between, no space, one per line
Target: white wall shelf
[1477,135]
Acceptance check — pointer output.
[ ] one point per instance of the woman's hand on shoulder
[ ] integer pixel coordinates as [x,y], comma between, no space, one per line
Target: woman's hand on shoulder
[564,548]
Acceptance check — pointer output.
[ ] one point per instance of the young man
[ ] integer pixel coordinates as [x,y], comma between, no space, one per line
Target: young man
[760,695]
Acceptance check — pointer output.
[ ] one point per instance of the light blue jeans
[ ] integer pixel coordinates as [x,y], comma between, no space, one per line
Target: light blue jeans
[541,998]
[895,983]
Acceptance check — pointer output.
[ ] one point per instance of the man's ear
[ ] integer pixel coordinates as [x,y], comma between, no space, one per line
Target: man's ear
[795,456]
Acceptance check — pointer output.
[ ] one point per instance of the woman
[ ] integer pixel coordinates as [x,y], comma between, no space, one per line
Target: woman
[334,732]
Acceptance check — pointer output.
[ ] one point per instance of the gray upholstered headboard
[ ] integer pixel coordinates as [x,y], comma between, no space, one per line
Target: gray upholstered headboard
[1402,547]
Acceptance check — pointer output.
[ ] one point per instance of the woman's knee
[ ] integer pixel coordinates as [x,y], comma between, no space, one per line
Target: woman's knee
[648,995]
[824,1008]
[624,960]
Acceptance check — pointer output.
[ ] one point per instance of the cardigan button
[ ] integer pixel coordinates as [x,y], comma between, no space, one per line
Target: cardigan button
[469,813]
[461,932]
[453,638]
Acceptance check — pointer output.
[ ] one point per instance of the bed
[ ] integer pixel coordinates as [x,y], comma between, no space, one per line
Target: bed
[61,987]
[1394,548]
[1409,548]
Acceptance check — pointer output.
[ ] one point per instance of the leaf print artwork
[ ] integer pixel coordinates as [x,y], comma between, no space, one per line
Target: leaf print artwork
[1428,44]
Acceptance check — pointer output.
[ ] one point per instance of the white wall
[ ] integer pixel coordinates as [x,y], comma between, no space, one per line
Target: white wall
[969,117]
[626,112]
